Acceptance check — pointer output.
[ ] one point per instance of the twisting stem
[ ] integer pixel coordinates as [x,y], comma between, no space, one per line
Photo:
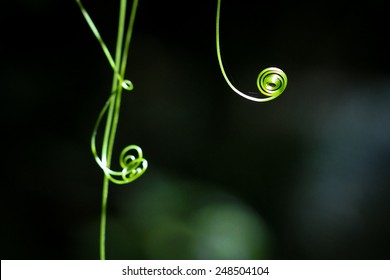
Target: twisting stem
[133,166]
[271,81]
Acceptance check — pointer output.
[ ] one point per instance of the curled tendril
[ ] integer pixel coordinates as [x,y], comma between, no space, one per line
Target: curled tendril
[127,85]
[271,82]
[131,158]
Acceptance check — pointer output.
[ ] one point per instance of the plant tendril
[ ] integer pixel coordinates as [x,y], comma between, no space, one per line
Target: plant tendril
[133,166]
[131,158]
[271,82]
[126,84]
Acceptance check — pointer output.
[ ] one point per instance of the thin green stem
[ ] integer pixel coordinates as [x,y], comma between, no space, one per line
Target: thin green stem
[103,219]
[121,62]
[219,51]
[111,126]
[131,159]
[128,36]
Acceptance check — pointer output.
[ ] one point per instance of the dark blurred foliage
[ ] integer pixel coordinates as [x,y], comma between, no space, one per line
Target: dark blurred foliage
[305,176]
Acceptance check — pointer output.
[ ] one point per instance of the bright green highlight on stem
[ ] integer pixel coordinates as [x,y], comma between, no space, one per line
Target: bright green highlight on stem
[131,158]
[271,81]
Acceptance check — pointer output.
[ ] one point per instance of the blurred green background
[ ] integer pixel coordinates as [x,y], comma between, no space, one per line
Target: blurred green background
[305,176]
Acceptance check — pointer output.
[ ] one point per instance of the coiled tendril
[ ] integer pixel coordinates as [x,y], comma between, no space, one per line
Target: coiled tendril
[131,158]
[271,82]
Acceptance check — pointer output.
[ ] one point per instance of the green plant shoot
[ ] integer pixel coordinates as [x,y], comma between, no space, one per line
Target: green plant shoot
[131,158]
[271,82]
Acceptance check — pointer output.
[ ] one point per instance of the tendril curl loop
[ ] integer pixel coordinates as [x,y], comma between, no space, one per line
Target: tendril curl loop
[271,81]
[131,159]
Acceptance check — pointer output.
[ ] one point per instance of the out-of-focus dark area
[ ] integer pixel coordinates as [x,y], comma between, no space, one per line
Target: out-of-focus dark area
[305,176]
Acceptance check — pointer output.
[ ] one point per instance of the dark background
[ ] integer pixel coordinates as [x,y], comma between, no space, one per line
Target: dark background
[305,176]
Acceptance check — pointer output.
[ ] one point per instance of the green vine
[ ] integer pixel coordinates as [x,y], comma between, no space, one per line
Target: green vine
[271,82]
[131,158]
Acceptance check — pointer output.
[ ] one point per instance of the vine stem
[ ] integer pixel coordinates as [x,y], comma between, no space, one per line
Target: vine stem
[103,220]
[133,166]
[219,52]
[113,111]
